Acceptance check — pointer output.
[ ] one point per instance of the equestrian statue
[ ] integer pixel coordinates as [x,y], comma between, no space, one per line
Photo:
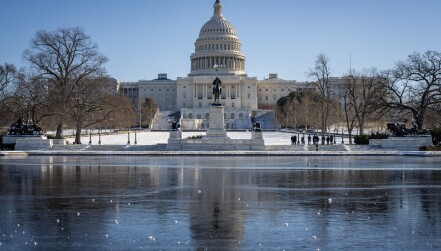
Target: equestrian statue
[217,90]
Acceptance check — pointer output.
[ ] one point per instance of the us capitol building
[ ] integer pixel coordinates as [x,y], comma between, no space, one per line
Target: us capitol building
[246,99]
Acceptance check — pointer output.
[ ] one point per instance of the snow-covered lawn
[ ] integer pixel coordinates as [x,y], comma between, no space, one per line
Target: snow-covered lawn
[153,138]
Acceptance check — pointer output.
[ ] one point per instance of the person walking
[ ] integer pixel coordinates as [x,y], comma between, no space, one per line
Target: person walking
[327,140]
[292,140]
[295,140]
[309,139]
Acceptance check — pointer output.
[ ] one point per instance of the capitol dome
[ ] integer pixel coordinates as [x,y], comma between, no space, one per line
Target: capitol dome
[217,45]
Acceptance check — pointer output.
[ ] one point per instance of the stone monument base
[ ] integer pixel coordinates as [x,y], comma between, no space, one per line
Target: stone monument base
[407,143]
[256,143]
[27,142]
[216,138]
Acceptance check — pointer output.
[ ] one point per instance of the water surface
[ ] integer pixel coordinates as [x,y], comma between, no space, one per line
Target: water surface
[220,203]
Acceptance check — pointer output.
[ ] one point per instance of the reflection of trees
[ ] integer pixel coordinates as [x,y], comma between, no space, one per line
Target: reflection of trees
[217,215]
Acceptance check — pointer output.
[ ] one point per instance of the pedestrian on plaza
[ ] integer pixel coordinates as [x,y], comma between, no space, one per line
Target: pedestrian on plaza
[292,140]
[323,139]
[303,140]
[309,139]
[332,139]
[327,140]
[295,140]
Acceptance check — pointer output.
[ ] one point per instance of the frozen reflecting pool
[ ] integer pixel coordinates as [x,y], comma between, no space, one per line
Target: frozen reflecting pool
[220,203]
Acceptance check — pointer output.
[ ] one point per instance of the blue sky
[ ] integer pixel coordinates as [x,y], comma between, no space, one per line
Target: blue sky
[142,38]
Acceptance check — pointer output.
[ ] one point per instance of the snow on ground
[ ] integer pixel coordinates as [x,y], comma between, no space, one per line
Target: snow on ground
[157,137]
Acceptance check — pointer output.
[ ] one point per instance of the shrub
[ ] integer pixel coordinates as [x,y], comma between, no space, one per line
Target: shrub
[361,139]
[430,148]
[196,137]
[2,133]
[378,136]
[50,136]
[436,136]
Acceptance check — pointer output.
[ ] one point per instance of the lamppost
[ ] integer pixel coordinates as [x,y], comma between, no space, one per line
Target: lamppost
[136,142]
[334,134]
[128,137]
[99,136]
[342,141]
[90,137]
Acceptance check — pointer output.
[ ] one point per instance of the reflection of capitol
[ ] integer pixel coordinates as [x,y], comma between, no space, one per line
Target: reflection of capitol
[245,97]
[164,189]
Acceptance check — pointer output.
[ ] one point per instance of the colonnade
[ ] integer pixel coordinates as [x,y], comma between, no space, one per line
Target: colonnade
[205,91]
[226,63]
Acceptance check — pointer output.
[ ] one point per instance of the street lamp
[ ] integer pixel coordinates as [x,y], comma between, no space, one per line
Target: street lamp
[128,137]
[334,133]
[99,136]
[342,141]
[136,142]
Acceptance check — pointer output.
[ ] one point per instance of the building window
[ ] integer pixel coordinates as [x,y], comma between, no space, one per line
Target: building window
[232,116]
[249,87]
[240,115]
[232,104]
[249,95]
[198,116]
[207,115]
[190,115]
[266,98]
[274,97]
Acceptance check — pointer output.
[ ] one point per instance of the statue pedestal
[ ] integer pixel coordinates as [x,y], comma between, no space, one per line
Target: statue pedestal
[216,122]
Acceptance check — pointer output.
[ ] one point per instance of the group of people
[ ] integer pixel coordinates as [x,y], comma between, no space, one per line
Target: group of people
[329,139]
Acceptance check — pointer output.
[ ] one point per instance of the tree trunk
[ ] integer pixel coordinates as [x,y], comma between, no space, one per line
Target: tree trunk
[78,134]
[350,136]
[59,134]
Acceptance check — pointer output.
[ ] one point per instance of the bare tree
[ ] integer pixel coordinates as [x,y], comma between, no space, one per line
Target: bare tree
[361,93]
[66,58]
[123,115]
[32,97]
[413,86]
[89,105]
[321,73]
[8,74]
[148,111]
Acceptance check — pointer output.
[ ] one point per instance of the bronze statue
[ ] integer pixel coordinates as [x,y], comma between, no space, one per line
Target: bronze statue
[217,90]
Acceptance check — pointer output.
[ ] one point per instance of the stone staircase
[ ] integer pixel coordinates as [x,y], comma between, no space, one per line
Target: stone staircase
[161,121]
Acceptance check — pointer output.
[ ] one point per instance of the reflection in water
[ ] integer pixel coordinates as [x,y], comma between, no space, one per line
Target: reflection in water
[220,203]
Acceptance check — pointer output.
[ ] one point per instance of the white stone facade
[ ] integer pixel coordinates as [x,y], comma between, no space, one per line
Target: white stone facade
[217,54]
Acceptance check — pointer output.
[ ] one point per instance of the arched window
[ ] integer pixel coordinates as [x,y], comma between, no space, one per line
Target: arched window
[207,115]
[232,116]
[198,116]
[190,115]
